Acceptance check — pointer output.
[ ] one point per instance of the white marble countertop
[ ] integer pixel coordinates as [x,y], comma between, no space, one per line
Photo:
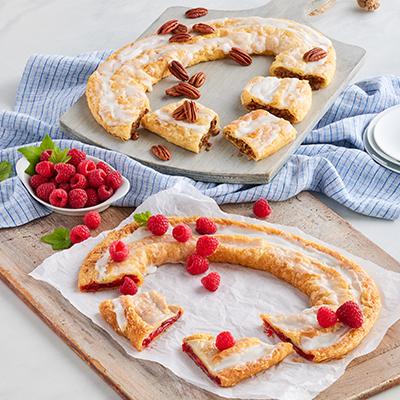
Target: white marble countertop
[39,365]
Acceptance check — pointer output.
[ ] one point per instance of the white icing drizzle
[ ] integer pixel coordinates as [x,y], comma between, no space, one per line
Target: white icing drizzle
[264,88]
[248,126]
[119,313]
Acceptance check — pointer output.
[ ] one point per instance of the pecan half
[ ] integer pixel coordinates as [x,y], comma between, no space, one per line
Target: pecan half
[314,54]
[187,90]
[196,12]
[178,70]
[203,29]
[179,113]
[180,38]
[181,29]
[172,91]
[240,56]
[197,80]
[168,27]
[161,152]
[191,110]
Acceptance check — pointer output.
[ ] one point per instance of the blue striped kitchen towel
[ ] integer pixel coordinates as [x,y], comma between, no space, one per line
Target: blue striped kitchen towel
[332,159]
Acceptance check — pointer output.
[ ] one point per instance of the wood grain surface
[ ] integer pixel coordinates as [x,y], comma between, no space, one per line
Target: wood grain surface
[133,379]
[225,81]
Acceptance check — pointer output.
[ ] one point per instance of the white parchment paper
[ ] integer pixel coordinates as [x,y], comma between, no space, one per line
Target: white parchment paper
[242,296]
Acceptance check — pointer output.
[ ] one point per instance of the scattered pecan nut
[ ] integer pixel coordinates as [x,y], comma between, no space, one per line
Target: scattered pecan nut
[314,54]
[173,92]
[240,56]
[161,152]
[181,29]
[203,29]
[183,89]
[198,79]
[196,12]
[180,38]
[178,70]
[167,27]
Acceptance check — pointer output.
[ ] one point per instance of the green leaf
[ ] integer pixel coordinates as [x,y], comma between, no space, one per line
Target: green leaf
[5,170]
[142,218]
[58,239]
[47,144]
[59,156]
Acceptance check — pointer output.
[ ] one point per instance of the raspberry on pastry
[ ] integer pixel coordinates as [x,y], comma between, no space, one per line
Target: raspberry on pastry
[206,245]
[128,287]
[240,360]
[326,317]
[182,233]
[140,318]
[350,314]
[205,226]
[224,340]
[158,224]
[119,251]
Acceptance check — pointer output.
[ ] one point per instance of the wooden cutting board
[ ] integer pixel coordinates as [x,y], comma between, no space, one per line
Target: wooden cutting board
[133,379]
[225,81]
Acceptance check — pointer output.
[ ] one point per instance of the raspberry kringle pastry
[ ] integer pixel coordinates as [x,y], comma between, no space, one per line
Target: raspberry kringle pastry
[259,134]
[324,275]
[288,98]
[248,357]
[116,91]
[193,136]
[140,318]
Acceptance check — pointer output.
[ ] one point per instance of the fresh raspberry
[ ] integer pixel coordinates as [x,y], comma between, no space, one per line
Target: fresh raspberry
[45,168]
[105,167]
[78,181]
[76,156]
[96,178]
[349,313]
[92,198]
[196,264]
[114,180]
[64,186]
[158,224]
[92,219]
[64,172]
[104,192]
[119,251]
[224,340]
[58,198]
[206,245]
[182,233]
[79,233]
[85,166]
[43,191]
[261,208]
[45,155]
[211,281]
[77,198]
[36,180]
[205,226]
[326,317]
[128,287]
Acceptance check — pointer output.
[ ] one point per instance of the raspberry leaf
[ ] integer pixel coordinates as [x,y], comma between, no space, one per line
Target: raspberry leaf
[58,239]
[142,218]
[47,144]
[59,156]
[5,170]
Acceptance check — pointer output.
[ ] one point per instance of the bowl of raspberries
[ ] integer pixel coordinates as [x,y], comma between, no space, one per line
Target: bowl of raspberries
[70,182]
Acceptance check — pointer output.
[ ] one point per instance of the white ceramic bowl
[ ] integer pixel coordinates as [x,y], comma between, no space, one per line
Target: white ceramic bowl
[23,163]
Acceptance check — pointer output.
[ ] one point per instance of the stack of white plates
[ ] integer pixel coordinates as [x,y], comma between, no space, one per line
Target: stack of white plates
[382,139]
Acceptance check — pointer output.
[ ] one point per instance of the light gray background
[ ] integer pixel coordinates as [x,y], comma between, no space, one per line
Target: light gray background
[34,362]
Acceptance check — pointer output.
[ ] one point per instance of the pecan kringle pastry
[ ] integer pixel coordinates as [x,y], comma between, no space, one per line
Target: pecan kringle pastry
[116,91]
[140,318]
[324,275]
[259,134]
[248,357]
[288,98]
[193,136]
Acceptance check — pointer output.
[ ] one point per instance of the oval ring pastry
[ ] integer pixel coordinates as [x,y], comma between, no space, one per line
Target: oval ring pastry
[324,275]
[116,91]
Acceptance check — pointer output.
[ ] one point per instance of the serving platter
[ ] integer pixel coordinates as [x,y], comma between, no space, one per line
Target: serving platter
[225,81]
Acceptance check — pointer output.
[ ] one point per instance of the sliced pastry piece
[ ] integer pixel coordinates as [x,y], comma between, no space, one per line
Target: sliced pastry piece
[140,318]
[288,98]
[246,358]
[191,132]
[259,134]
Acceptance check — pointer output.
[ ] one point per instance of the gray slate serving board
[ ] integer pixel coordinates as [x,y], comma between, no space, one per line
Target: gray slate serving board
[225,81]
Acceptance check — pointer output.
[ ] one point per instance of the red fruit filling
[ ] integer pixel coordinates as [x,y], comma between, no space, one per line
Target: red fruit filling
[268,328]
[95,286]
[163,327]
[188,350]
